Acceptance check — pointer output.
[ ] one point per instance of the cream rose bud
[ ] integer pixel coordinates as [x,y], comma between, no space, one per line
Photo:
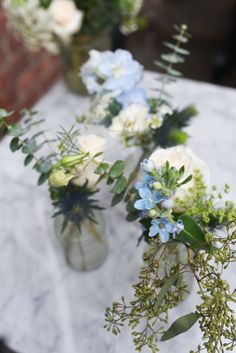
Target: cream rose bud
[91,144]
[66,18]
[181,156]
[59,178]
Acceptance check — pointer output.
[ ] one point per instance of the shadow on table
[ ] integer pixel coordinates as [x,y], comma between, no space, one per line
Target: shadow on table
[4,348]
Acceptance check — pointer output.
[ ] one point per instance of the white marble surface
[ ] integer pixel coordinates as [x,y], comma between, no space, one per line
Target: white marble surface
[45,307]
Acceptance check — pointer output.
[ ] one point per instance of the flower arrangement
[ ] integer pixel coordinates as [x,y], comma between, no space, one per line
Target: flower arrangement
[129,112]
[53,23]
[189,232]
[71,165]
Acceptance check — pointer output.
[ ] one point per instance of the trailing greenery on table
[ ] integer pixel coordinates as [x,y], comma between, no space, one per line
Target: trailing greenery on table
[190,236]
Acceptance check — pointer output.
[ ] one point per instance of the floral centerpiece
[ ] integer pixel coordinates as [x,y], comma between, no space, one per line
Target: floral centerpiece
[140,120]
[71,164]
[189,231]
[118,100]
[71,27]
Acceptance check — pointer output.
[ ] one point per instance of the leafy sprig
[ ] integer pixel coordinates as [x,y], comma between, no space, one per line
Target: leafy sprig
[198,250]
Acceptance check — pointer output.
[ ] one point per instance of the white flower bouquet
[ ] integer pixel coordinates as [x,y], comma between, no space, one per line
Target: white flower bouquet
[53,23]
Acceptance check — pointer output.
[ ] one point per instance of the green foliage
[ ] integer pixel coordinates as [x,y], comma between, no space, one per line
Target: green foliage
[201,205]
[170,133]
[162,286]
[198,249]
[146,319]
[193,234]
[164,289]
[120,185]
[117,169]
[175,56]
[26,140]
[180,325]
[113,109]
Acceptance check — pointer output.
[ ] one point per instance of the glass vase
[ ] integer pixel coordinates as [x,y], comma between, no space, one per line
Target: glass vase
[73,56]
[85,248]
[177,253]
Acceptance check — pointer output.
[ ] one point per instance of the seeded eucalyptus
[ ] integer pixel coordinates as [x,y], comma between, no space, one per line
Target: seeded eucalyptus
[186,237]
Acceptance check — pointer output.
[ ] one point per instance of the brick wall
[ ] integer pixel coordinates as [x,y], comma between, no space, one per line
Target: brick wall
[24,76]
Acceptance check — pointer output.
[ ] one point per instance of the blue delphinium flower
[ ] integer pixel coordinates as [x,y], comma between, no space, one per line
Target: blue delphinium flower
[148,199]
[122,72]
[165,228]
[133,96]
[114,72]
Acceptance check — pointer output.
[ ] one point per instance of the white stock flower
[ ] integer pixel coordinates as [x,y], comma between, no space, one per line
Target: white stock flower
[131,120]
[66,19]
[84,172]
[182,156]
[99,107]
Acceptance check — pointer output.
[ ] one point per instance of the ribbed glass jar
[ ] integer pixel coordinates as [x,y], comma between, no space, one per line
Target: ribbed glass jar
[73,56]
[84,249]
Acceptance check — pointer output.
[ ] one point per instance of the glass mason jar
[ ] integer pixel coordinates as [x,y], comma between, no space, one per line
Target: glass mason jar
[84,249]
[74,55]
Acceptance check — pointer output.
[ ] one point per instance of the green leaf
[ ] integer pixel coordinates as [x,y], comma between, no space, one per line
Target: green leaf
[110,181]
[102,168]
[117,198]
[164,289]
[172,58]
[44,165]
[120,185]
[181,325]
[192,234]
[178,50]
[28,159]
[132,216]
[185,181]
[117,169]
[15,130]
[180,38]
[173,72]
[30,146]
[161,65]
[43,177]
[15,144]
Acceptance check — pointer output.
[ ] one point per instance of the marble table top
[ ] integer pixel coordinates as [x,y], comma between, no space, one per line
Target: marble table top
[45,307]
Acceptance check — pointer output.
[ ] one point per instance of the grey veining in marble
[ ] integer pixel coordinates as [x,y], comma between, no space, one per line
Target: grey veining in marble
[45,307]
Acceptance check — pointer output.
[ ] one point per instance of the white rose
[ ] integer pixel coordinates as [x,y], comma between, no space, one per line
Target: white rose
[181,156]
[66,19]
[131,120]
[93,145]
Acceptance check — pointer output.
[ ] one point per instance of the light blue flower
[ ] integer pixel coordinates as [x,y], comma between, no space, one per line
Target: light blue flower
[133,96]
[179,226]
[114,72]
[163,227]
[146,183]
[147,165]
[122,72]
[148,199]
